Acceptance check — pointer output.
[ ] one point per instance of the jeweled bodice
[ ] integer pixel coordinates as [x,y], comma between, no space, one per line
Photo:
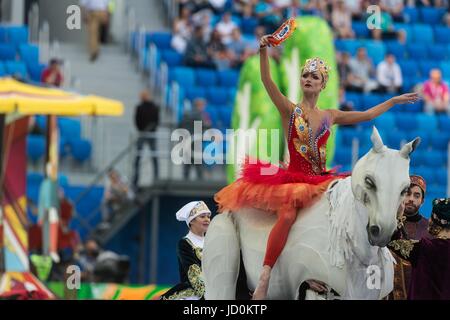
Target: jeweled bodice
[307,149]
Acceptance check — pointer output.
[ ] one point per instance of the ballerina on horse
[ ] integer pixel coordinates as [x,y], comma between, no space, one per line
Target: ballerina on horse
[307,129]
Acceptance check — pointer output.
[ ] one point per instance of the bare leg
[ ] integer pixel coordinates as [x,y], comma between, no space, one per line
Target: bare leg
[263,285]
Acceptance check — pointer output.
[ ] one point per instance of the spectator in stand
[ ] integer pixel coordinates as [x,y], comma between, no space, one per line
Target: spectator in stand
[362,72]
[344,105]
[238,48]
[218,51]
[146,120]
[96,15]
[386,30]
[344,69]
[389,75]
[218,6]
[394,8]
[182,31]
[195,161]
[197,51]
[260,31]
[52,75]
[341,20]
[436,94]
[354,6]
[225,28]
[269,16]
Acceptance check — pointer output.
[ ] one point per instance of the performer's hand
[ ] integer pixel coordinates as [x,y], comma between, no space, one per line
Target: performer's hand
[406,98]
[265,41]
[317,286]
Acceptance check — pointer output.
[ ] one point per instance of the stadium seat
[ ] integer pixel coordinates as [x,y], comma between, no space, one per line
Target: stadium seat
[29,54]
[193,93]
[425,138]
[435,159]
[63,147]
[354,98]
[172,58]
[213,112]
[432,16]
[70,129]
[3,35]
[440,140]
[228,78]
[427,122]
[161,40]
[360,29]
[422,33]
[441,176]
[248,25]
[35,71]
[411,14]
[409,68]
[351,46]
[376,50]
[217,95]
[385,122]
[2,70]
[184,76]
[442,34]
[7,52]
[370,100]
[445,68]
[437,52]
[232,95]
[343,156]
[427,65]
[205,78]
[426,173]
[417,51]
[397,49]
[407,28]
[394,139]
[225,116]
[81,149]
[16,68]
[406,122]
[35,147]
[444,122]
[347,135]
[17,35]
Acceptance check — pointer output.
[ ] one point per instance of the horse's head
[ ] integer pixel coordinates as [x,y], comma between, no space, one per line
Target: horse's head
[380,180]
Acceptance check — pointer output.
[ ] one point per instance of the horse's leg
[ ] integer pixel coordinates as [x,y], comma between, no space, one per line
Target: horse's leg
[275,244]
[221,257]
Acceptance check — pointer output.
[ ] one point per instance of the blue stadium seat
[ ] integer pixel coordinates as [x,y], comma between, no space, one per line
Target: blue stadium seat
[407,28]
[228,78]
[217,95]
[232,92]
[417,159]
[81,149]
[63,147]
[442,34]
[248,25]
[436,188]
[411,14]
[432,16]
[397,49]
[354,98]
[351,46]
[7,52]
[29,54]
[3,35]
[205,77]
[70,129]
[2,70]
[417,51]
[347,135]
[444,122]
[441,176]
[193,93]
[437,52]
[426,173]
[35,178]
[409,68]
[394,139]
[225,116]
[35,147]
[16,68]
[370,100]
[376,50]
[445,68]
[63,180]
[436,159]
[184,76]
[440,140]
[343,156]
[360,29]
[35,71]
[425,137]
[213,112]
[427,122]
[17,35]
[422,33]
[427,65]
[407,122]
[172,58]
[385,122]
[161,40]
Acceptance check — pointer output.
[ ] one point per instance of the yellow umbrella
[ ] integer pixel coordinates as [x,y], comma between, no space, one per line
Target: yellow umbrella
[25,99]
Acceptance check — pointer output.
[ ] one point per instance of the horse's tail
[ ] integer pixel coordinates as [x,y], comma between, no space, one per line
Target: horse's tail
[221,259]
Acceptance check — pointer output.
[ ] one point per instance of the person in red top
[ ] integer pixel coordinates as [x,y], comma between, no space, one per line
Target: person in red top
[52,76]
[287,189]
[435,93]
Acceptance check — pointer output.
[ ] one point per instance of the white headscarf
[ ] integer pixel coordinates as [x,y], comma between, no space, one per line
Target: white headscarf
[191,211]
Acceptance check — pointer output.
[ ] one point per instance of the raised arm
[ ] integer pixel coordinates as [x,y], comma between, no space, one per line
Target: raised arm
[282,103]
[354,117]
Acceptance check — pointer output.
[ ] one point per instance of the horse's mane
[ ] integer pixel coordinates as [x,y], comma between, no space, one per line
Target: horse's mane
[342,219]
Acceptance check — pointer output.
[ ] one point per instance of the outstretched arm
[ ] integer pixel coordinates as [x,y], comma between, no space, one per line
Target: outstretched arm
[282,103]
[354,117]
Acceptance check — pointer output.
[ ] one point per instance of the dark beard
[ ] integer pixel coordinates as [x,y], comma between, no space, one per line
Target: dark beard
[411,212]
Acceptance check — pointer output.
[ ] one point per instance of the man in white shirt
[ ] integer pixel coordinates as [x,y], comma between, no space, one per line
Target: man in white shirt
[226,27]
[389,75]
[97,14]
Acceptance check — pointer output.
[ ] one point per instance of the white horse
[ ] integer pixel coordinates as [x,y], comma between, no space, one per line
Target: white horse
[340,240]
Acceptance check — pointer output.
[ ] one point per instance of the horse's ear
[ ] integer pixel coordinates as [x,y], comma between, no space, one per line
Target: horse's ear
[409,148]
[377,142]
